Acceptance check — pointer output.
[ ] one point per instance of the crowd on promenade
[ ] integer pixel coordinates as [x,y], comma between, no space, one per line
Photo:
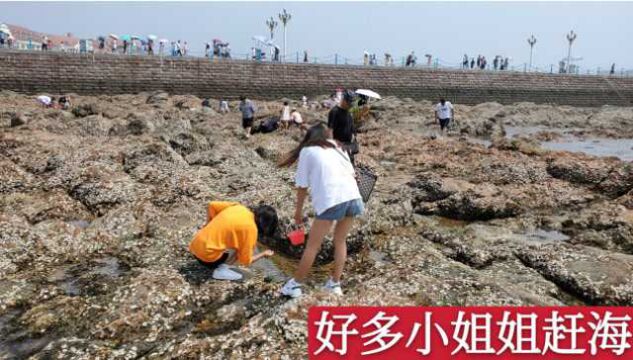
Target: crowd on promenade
[151,45]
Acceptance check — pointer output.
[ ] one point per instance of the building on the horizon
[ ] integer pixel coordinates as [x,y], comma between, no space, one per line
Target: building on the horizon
[26,39]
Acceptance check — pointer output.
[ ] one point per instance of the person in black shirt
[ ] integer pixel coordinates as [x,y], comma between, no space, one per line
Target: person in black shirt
[341,124]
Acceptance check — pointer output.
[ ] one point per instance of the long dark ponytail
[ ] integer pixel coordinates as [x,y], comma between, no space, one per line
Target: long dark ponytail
[317,135]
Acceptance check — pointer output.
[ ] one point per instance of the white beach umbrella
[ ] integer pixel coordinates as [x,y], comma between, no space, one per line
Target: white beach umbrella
[260,38]
[5,30]
[163,41]
[114,36]
[368,93]
[152,37]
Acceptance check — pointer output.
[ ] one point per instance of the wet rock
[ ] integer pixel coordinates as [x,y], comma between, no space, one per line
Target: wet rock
[618,182]
[458,199]
[84,110]
[157,98]
[605,225]
[627,200]
[434,188]
[101,189]
[596,276]
[18,119]
[13,178]
[151,153]
[139,124]
[526,146]
[578,171]
[186,143]
[54,162]
[38,206]
[268,153]
[460,250]
[205,158]
[472,205]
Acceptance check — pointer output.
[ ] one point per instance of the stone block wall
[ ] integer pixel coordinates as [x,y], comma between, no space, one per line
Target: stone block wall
[58,73]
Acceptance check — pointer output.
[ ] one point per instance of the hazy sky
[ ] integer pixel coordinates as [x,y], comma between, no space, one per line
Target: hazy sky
[445,30]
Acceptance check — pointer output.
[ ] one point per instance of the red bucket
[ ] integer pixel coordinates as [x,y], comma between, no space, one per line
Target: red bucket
[297,237]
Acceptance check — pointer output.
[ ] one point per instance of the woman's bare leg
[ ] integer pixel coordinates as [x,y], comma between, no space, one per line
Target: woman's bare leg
[320,228]
[341,230]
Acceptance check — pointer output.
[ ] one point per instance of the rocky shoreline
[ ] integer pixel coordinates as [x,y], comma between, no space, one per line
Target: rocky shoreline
[99,203]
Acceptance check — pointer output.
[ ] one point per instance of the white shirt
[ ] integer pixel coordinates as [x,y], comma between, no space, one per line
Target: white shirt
[444,111]
[328,174]
[296,117]
[44,99]
[285,113]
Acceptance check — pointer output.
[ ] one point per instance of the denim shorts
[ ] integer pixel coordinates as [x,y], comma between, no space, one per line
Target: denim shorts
[350,208]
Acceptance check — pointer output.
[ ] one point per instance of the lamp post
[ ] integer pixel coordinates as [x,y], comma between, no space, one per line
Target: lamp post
[570,37]
[284,16]
[531,40]
[272,24]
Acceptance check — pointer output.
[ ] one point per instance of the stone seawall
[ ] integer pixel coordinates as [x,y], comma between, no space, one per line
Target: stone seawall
[39,72]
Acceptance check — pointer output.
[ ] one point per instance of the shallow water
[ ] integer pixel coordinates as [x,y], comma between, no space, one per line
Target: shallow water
[82,224]
[621,148]
[594,146]
[279,268]
[544,235]
[79,279]
[14,342]
[16,347]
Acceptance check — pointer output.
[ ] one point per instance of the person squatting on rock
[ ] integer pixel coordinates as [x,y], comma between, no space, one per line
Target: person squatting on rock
[64,103]
[230,235]
[248,110]
[325,169]
[341,123]
[296,119]
[443,113]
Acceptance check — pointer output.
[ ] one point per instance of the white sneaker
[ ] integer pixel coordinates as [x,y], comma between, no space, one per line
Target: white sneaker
[291,289]
[333,287]
[224,272]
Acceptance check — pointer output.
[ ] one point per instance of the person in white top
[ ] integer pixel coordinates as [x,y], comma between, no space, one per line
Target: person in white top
[46,100]
[285,116]
[326,170]
[296,118]
[443,113]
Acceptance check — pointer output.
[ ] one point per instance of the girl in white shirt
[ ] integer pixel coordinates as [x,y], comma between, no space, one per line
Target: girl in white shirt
[325,169]
[285,116]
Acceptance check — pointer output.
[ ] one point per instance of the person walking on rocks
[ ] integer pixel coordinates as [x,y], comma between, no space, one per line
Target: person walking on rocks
[341,124]
[230,235]
[324,170]
[443,113]
[248,109]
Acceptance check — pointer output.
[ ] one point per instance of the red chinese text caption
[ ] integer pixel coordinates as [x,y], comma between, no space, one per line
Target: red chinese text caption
[513,333]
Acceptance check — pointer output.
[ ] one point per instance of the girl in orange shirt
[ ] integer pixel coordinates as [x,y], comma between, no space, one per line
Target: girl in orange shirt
[231,235]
